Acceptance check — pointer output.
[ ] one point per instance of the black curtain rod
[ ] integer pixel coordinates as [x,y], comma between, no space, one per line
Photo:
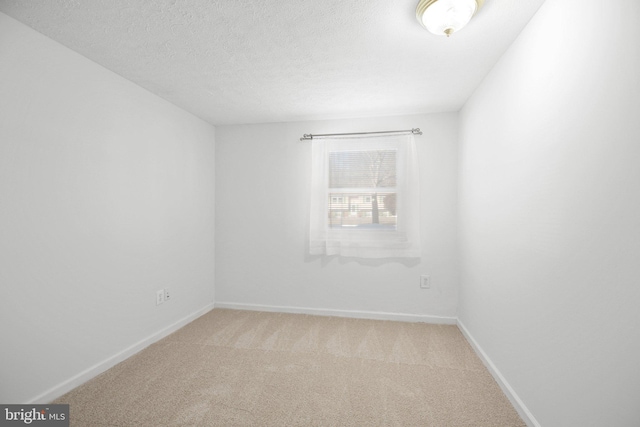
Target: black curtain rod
[308,136]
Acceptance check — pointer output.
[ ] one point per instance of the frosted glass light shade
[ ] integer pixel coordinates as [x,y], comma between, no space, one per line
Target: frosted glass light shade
[445,17]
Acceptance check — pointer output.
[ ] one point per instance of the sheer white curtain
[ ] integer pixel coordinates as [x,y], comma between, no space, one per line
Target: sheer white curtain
[365,197]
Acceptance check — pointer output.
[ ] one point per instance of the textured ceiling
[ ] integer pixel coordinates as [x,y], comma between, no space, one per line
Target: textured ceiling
[260,61]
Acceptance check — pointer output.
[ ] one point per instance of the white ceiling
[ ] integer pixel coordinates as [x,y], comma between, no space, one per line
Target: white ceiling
[260,61]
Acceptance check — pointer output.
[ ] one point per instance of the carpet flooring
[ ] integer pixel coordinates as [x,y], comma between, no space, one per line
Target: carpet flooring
[244,368]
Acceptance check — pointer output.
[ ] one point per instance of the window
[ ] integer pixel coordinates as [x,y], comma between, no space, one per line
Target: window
[365,197]
[367,174]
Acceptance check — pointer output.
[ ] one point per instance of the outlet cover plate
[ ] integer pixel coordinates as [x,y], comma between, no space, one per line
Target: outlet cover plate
[425,282]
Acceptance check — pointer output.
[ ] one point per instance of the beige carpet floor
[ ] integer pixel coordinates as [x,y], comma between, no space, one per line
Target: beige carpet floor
[243,368]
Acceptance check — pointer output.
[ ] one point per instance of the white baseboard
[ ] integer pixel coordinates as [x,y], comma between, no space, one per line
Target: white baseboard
[84,376]
[517,403]
[378,315]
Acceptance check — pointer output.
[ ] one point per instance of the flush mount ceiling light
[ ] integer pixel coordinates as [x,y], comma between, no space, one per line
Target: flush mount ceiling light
[445,17]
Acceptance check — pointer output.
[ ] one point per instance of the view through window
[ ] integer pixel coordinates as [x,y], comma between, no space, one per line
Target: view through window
[362,189]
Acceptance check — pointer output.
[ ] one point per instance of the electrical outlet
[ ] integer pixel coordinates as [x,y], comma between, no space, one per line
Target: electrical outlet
[166,295]
[425,282]
[159,297]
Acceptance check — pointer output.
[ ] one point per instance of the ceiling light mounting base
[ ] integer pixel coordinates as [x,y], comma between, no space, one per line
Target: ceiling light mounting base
[445,17]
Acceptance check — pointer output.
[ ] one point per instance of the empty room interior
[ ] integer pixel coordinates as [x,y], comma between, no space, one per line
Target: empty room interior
[321,213]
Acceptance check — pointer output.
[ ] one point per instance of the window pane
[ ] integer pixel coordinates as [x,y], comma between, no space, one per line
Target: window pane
[362,189]
[362,210]
[362,169]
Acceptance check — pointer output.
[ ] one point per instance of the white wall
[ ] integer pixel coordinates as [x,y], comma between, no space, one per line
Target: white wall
[106,194]
[262,218]
[550,214]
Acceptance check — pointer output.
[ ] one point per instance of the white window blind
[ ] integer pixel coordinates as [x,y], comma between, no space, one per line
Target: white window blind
[365,197]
